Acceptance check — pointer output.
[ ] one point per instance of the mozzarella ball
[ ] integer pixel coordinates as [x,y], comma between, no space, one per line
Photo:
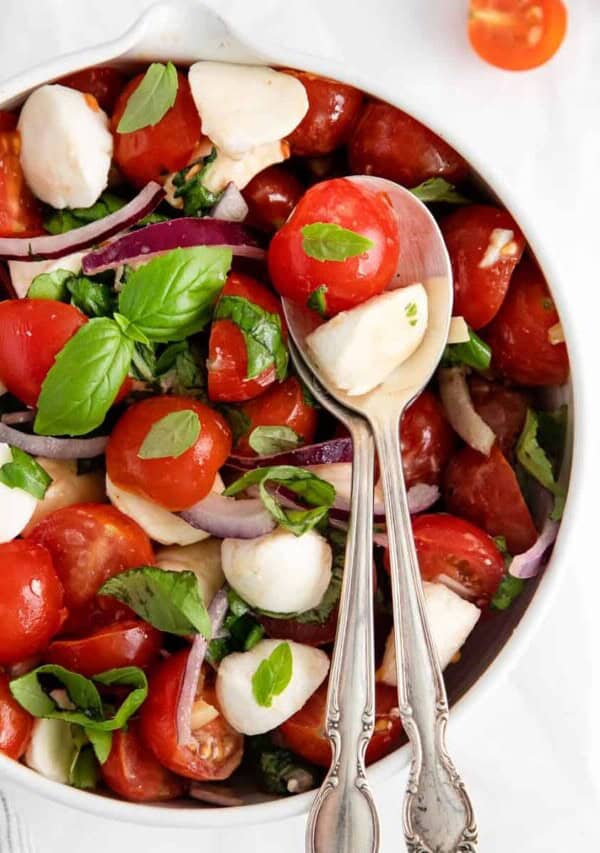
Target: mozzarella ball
[50,751]
[202,558]
[22,273]
[16,505]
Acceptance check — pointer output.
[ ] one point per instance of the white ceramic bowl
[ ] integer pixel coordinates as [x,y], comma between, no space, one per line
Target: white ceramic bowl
[184,31]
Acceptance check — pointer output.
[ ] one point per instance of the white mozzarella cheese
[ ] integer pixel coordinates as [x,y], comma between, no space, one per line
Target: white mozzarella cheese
[279,571]
[458,333]
[16,505]
[451,619]
[67,488]
[225,169]
[51,749]
[242,106]
[22,273]
[202,558]
[234,686]
[66,147]
[358,349]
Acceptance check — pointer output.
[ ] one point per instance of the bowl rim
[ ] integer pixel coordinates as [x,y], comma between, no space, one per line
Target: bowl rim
[130,47]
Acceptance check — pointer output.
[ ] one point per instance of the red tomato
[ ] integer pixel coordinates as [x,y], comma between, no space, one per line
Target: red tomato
[427,441]
[8,120]
[151,153]
[131,643]
[503,409]
[332,112]
[518,336]
[90,543]
[480,282]
[173,482]
[295,274]
[103,83]
[517,34]
[218,748]
[227,352]
[309,633]
[391,144]
[271,196]
[304,733]
[485,490]
[31,600]
[20,214]
[282,405]
[15,723]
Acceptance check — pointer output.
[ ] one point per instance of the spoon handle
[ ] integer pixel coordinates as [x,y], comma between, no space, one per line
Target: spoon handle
[437,815]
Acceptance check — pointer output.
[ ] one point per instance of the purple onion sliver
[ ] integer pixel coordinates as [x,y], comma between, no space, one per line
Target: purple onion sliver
[12,418]
[325,452]
[215,795]
[54,448]
[529,563]
[227,518]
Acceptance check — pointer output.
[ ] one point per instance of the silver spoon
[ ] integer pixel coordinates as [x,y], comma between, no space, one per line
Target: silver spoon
[437,814]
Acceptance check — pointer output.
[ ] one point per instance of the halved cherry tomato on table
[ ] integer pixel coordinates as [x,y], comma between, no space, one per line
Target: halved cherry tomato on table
[130,643]
[103,83]
[151,153]
[271,196]
[173,482]
[216,750]
[517,34]
[391,144]
[349,282]
[427,441]
[333,109]
[227,352]
[15,723]
[20,213]
[483,259]
[304,733]
[90,543]
[485,490]
[31,600]
[503,409]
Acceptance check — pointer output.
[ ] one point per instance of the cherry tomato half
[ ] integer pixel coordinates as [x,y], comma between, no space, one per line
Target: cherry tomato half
[131,643]
[227,352]
[31,600]
[485,490]
[153,152]
[391,144]
[90,543]
[517,34]
[217,748]
[296,275]
[503,409]
[173,482]
[105,84]
[15,723]
[427,441]
[481,271]
[20,214]
[271,196]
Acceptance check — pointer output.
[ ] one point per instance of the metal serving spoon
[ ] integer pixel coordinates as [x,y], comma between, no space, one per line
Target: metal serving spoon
[437,813]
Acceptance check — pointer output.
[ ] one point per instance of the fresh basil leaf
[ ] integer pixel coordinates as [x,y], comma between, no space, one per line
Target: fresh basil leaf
[94,298]
[534,459]
[437,189]
[474,353]
[327,241]
[61,221]
[190,187]
[278,770]
[317,300]
[170,601]
[83,772]
[243,631]
[25,473]
[50,285]
[273,675]
[130,330]
[266,440]
[101,743]
[152,99]
[411,313]
[171,297]
[552,434]
[238,420]
[508,589]
[171,436]
[180,370]
[262,333]
[143,362]
[84,380]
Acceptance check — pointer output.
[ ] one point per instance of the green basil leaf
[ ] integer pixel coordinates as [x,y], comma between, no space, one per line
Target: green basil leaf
[130,330]
[180,370]
[278,770]
[61,221]
[94,298]
[84,380]
[262,333]
[411,313]
[171,436]
[190,187]
[266,440]
[171,297]
[273,675]
[437,189]
[152,99]
[508,589]
[317,300]
[534,459]
[25,473]
[326,241]
[50,285]
[238,420]
[170,601]
[83,772]
[101,743]
[474,353]
[143,362]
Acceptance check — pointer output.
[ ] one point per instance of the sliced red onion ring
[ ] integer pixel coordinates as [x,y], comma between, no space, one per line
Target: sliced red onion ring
[463,418]
[456,586]
[324,453]
[228,518]
[183,233]
[54,448]
[24,417]
[231,206]
[215,795]
[55,246]
[529,563]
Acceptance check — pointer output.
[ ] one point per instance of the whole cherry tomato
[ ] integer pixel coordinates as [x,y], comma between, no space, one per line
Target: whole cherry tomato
[391,144]
[519,334]
[517,34]
[20,213]
[485,490]
[296,274]
[282,405]
[130,643]
[503,409]
[227,351]
[90,543]
[132,771]
[151,153]
[15,723]
[31,600]
[483,259]
[173,482]
[216,750]
[427,441]
[332,112]
[271,196]
[104,83]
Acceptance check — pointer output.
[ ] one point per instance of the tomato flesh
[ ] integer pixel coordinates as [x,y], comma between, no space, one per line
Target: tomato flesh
[130,643]
[503,409]
[271,196]
[103,83]
[282,405]
[20,212]
[427,441]
[15,723]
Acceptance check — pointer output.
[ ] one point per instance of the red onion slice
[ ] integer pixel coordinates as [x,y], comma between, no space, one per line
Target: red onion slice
[215,795]
[183,233]
[228,518]
[529,563]
[24,417]
[323,453]
[57,245]
[54,448]
[231,207]
[463,418]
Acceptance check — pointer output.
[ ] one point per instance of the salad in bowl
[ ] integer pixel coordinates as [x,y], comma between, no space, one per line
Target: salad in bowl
[174,502]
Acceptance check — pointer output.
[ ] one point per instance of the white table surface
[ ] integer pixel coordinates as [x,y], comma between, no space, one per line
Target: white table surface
[530,749]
